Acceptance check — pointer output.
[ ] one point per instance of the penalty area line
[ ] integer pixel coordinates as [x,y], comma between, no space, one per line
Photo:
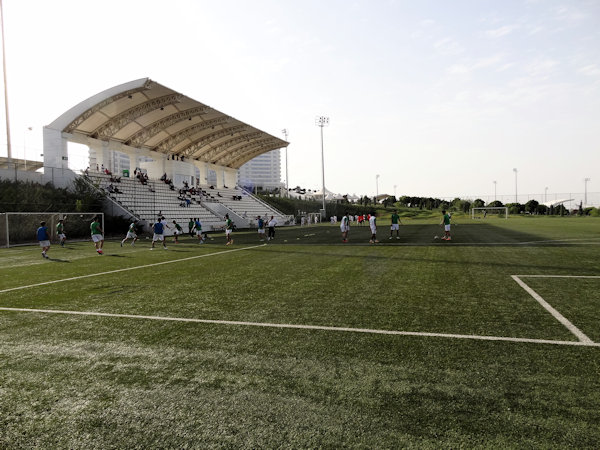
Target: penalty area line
[45,283]
[558,316]
[307,327]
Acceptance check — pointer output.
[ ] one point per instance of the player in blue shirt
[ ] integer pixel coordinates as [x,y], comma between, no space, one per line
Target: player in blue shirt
[261,229]
[158,229]
[44,239]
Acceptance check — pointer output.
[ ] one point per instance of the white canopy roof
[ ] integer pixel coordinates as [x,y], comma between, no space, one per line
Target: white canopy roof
[145,114]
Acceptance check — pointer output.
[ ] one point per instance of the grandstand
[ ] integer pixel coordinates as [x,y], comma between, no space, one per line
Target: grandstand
[145,201]
[145,126]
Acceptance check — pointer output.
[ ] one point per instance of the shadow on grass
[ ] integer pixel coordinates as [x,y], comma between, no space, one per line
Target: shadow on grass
[512,264]
[470,234]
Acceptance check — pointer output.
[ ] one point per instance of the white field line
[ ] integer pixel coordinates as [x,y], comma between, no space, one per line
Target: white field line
[558,316]
[557,276]
[307,327]
[127,269]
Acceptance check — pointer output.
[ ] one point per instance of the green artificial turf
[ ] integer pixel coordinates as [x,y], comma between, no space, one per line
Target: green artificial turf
[69,381]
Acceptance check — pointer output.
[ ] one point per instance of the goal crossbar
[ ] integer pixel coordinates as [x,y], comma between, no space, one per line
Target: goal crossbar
[490,209]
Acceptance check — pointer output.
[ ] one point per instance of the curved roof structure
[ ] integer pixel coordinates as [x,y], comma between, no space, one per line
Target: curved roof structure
[146,114]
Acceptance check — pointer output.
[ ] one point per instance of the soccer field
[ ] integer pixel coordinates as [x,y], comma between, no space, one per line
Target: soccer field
[491,340]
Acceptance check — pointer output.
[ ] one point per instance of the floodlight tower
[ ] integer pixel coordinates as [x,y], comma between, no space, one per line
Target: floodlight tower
[516,196]
[376,187]
[322,121]
[8,144]
[395,186]
[287,184]
[585,181]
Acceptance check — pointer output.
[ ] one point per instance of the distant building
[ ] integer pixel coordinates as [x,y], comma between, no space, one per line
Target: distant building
[262,172]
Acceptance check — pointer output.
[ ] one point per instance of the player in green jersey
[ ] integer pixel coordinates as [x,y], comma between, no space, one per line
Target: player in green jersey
[60,232]
[97,235]
[178,230]
[396,222]
[131,233]
[446,223]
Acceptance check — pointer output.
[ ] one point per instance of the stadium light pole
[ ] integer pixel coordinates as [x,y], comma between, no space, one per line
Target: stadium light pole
[585,181]
[322,121]
[376,187]
[395,191]
[25,145]
[287,184]
[8,146]
[494,189]
[516,196]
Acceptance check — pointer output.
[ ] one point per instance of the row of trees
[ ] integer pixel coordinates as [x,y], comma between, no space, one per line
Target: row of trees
[25,196]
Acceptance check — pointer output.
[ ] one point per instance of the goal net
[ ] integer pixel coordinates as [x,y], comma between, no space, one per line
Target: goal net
[19,228]
[484,212]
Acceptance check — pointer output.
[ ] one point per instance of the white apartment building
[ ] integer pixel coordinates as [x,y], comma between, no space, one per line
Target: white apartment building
[262,172]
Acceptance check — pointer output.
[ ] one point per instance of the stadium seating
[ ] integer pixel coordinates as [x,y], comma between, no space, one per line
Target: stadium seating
[145,201]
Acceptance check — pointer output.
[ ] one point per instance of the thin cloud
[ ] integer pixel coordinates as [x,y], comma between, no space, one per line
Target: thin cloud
[499,32]
[591,70]
[448,46]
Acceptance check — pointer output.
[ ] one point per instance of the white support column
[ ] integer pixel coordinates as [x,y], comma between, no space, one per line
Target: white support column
[220,179]
[55,154]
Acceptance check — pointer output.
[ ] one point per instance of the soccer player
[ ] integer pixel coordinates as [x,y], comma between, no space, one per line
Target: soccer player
[191,224]
[395,224]
[228,229]
[158,229]
[43,239]
[272,224]
[373,226]
[345,227]
[198,228]
[97,235]
[446,223]
[131,234]
[261,229]
[60,232]
[178,230]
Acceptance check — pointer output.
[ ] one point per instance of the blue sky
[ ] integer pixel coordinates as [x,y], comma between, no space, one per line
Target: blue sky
[438,98]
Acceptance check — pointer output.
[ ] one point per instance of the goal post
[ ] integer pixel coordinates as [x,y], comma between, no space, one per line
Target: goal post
[485,211]
[19,228]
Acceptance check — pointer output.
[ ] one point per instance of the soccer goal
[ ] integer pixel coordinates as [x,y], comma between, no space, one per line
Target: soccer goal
[19,228]
[478,213]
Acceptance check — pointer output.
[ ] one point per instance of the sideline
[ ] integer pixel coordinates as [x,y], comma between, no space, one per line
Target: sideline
[308,327]
[128,268]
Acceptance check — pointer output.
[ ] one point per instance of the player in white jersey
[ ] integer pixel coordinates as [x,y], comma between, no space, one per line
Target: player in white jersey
[345,227]
[131,234]
[373,226]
